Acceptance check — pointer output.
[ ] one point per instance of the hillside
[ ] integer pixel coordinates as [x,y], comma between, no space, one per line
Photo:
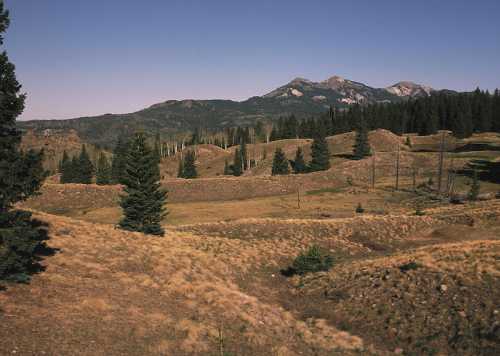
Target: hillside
[300,97]
[217,288]
[54,143]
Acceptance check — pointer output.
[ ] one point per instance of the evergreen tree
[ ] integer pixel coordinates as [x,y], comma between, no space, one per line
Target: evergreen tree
[244,154]
[144,201]
[227,170]
[180,168]
[189,165]
[320,155]
[475,187]
[73,170]
[85,167]
[63,167]
[299,164]
[119,160]
[103,171]
[21,174]
[361,145]
[237,164]
[280,163]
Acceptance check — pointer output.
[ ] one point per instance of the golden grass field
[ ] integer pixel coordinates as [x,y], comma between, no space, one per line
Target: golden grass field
[401,283]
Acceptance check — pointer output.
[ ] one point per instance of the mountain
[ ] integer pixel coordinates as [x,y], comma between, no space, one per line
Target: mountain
[409,89]
[301,97]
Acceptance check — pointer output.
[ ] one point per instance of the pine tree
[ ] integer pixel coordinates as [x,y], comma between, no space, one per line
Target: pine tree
[85,167]
[63,167]
[299,164]
[189,165]
[320,155]
[475,187]
[119,160]
[73,170]
[280,163]
[361,145]
[180,168]
[227,170]
[244,154]
[21,174]
[237,164]
[103,171]
[143,204]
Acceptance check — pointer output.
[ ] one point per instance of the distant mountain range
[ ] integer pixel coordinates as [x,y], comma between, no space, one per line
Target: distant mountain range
[300,97]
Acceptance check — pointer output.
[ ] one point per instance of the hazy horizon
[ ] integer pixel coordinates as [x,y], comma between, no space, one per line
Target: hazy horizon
[84,59]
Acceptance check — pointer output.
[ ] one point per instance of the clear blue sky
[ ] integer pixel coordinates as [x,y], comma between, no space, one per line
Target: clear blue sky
[77,58]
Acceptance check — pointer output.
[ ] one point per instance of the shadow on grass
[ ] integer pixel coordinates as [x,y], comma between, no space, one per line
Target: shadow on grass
[487,171]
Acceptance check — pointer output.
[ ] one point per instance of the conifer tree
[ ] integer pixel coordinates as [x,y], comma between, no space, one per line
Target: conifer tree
[361,145]
[475,187]
[320,155]
[144,202]
[227,170]
[244,154]
[103,171]
[189,165]
[73,170]
[280,163]
[119,160]
[21,174]
[237,164]
[63,167]
[180,168]
[299,164]
[85,167]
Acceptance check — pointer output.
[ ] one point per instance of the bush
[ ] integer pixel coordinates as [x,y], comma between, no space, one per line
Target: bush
[314,259]
[360,209]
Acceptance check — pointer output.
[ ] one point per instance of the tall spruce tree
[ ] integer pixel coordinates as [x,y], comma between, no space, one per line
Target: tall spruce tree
[85,167]
[475,187]
[103,170]
[237,164]
[227,170]
[280,163]
[299,164]
[63,167]
[320,154]
[180,168]
[21,174]
[144,202]
[189,165]
[362,147]
[119,160]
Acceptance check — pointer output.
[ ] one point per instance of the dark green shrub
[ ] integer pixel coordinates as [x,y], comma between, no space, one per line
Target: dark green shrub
[315,259]
[409,266]
[360,209]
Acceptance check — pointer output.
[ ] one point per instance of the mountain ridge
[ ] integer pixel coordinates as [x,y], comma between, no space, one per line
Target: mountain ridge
[301,97]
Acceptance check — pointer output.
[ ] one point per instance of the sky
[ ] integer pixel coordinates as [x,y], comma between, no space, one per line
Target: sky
[80,58]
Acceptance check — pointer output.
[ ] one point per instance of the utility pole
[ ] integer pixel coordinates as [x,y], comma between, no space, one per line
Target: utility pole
[441,160]
[397,169]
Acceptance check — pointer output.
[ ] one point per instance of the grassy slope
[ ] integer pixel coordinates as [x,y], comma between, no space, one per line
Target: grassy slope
[109,292]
